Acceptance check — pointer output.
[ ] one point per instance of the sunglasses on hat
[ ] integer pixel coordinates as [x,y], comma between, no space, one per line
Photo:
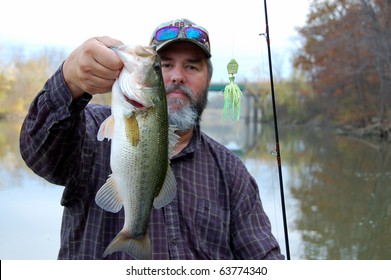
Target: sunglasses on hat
[172,32]
[185,30]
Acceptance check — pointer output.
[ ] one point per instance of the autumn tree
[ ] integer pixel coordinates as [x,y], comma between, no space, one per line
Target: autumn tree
[28,77]
[346,57]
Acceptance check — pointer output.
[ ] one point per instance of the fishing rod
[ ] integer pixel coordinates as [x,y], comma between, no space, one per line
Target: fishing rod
[277,151]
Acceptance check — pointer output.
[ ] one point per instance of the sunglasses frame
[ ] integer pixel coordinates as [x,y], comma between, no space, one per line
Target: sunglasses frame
[203,38]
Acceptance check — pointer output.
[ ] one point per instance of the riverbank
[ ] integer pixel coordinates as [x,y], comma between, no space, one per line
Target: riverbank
[376,131]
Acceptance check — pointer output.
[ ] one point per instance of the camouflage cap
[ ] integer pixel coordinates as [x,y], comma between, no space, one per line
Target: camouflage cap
[181,30]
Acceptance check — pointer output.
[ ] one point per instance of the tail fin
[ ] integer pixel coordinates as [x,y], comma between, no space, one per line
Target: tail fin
[138,248]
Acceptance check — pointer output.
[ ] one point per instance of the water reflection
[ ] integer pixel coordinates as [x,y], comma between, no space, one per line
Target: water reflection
[343,190]
[337,192]
[30,212]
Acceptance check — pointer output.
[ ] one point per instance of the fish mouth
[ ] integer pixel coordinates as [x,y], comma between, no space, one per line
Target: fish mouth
[133,102]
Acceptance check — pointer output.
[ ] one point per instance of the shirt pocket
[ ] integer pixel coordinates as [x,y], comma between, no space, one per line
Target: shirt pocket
[212,227]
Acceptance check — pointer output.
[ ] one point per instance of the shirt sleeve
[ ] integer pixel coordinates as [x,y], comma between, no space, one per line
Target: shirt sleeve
[251,230]
[53,130]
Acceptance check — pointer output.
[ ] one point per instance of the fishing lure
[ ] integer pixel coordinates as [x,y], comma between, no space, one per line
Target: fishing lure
[232,93]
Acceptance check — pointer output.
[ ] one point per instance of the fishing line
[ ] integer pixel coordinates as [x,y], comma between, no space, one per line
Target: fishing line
[276,152]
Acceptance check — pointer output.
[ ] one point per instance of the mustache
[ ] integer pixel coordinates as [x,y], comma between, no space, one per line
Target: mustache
[172,87]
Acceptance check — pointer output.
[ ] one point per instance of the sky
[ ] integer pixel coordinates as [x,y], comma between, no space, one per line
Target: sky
[234,27]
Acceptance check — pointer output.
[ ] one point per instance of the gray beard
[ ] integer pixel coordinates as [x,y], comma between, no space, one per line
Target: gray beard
[184,118]
[189,115]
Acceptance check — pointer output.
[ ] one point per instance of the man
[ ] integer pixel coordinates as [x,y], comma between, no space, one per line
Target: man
[217,212]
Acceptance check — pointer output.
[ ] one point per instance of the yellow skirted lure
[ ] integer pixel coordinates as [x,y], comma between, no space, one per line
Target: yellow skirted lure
[232,93]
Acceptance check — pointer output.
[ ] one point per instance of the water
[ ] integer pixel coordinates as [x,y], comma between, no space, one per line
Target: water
[337,192]
[30,212]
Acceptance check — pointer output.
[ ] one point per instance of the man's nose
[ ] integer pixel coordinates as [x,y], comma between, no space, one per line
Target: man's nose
[178,76]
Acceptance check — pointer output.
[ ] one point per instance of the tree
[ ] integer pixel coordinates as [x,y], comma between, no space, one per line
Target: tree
[346,57]
[22,76]
[29,77]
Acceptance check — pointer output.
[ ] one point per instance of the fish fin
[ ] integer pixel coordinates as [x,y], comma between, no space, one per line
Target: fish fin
[173,139]
[106,129]
[108,196]
[132,130]
[139,248]
[168,191]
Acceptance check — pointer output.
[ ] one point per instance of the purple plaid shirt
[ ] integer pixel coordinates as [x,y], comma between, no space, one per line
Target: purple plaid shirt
[217,213]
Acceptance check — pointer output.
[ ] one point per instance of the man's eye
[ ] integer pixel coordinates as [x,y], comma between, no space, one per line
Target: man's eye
[165,65]
[192,67]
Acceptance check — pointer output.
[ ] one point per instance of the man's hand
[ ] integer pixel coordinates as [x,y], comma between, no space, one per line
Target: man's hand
[92,67]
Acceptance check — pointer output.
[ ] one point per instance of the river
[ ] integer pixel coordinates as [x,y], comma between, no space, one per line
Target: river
[337,192]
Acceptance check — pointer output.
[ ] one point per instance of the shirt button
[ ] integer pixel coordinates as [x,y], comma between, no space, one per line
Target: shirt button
[174,241]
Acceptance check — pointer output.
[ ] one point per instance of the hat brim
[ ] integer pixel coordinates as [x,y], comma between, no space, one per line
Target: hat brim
[169,42]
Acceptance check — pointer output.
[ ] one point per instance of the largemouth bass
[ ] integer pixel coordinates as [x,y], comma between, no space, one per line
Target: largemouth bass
[141,142]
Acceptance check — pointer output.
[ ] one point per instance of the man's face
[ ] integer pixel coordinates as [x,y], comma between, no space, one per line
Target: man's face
[185,74]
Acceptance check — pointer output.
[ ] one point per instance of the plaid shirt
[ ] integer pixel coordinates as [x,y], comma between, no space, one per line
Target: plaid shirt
[217,213]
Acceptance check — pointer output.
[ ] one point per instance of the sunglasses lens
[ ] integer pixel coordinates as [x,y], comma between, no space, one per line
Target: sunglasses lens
[196,34]
[167,33]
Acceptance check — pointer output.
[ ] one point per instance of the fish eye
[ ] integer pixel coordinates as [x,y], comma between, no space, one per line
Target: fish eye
[156,67]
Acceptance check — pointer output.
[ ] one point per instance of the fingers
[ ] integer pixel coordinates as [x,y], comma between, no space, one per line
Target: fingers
[92,67]
[105,56]
[108,41]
